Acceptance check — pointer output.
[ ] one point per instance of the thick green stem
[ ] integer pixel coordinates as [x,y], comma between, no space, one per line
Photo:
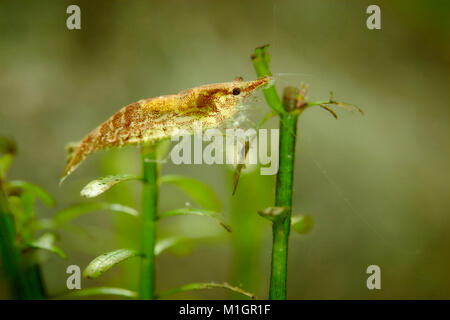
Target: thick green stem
[34,276]
[10,253]
[149,216]
[283,198]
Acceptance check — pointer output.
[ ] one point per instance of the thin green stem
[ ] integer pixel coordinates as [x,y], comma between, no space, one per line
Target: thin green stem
[261,61]
[149,217]
[283,198]
[283,194]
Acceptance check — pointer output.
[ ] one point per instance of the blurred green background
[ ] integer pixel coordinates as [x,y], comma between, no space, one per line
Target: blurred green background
[377,186]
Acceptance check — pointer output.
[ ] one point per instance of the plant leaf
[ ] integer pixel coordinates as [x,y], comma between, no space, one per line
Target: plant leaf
[203,194]
[25,215]
[17,210]
[347,106]
[100,291]
[100,185]
[27,199]
[5,163]
[165,244]
[196,212]
[47,242]
[77,210]
[49,224]
[37,191]
[103,263]
[325,105]
[205,285]
[302,224]
[43,223]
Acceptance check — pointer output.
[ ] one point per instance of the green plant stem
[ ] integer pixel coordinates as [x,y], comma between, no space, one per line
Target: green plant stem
[149,217]
[34,276]
[283,194]
[283,198]
[10,253]
[261,61]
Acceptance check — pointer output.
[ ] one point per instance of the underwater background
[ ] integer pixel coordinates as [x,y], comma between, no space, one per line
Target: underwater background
[376,185]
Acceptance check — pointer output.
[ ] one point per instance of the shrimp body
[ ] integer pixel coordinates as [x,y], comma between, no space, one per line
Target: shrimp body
[153,119]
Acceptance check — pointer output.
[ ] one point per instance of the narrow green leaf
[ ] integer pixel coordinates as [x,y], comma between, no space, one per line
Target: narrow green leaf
[17,210]
[203,194]
[5,163]
[21,208]
[196,212]
[106,261]
[27,199]
[43,223]
[302,224]
[77,210]
[165,244]
[205,285]
[325,105]
[49,224]
[177,245]
[100,185]
[37,191]
[47,242]
[100,291]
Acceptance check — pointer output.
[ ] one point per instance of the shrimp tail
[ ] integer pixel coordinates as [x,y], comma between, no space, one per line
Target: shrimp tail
[71,148]
[72,159]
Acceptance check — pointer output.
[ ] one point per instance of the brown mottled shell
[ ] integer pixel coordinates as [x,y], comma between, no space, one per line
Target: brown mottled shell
[152,119]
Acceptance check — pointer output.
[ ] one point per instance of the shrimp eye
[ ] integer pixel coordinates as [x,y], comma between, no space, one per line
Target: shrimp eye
[236,91]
